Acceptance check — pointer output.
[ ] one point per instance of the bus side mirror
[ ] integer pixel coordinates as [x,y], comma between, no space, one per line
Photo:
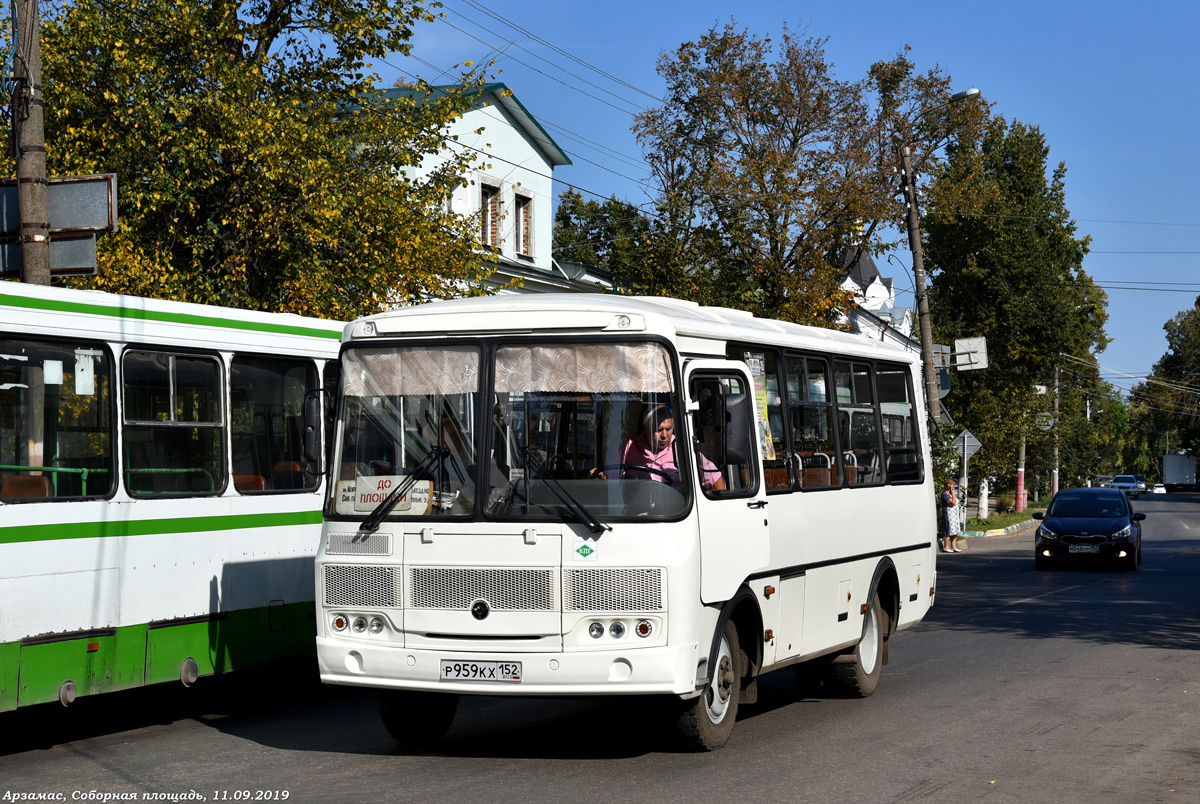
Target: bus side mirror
[313,455]
[734,420]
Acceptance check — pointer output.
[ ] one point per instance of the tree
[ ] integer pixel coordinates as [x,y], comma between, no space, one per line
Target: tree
[1007,265]
[1166,407]
[258,165]
[769,169]
[609,235]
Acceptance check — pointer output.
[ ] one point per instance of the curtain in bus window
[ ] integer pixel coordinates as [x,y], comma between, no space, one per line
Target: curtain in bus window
[415,371]
[584,368]
[173,424]
[899,425]
[267,423]
[56,425]
[858,428]
[817,461]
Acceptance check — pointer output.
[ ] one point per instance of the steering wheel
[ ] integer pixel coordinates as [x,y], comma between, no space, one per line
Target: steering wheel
[639,468]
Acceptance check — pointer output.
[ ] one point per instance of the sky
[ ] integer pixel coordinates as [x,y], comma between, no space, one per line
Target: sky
[1112,86]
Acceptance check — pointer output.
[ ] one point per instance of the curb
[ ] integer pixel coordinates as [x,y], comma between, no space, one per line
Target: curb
[977,534]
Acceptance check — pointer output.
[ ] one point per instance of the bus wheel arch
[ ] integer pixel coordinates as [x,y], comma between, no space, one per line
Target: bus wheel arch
[885,586]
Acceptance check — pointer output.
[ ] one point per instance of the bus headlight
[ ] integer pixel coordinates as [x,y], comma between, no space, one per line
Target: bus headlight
[596,630]
[360,625]
[376,626]
[617,629]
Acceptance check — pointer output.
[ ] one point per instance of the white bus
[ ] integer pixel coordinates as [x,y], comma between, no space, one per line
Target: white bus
[603,495]
[157,522]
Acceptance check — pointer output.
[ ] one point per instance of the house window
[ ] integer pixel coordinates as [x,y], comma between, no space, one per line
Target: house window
[489,215]
[524,226]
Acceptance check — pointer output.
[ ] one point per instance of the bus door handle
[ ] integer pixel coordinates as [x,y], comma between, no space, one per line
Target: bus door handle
[757,504]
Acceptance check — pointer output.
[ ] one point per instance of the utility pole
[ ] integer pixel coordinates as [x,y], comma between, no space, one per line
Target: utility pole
[29,144]
[918,261]
[1054,475]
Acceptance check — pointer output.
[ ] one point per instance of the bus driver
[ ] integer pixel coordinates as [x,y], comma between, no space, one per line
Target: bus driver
[655,448]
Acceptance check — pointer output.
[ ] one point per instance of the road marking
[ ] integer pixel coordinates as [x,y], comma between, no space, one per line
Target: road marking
[1047,594]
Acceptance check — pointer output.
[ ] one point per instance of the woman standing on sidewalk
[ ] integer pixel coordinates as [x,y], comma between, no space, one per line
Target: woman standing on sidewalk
[951,523]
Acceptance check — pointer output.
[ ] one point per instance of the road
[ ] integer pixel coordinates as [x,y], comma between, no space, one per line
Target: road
[1078,685]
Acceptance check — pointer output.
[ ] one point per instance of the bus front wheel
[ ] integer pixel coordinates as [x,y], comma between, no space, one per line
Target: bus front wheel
[858,673]
[417,720]
[706,721]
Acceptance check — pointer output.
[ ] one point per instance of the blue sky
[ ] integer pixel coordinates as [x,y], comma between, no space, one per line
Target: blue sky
[1113,86]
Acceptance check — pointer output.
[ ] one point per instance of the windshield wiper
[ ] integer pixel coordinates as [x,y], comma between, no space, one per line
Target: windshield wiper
[529,457]
[371,523]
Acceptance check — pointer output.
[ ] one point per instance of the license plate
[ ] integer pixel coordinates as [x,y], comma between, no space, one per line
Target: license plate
[1083,548]
[453,670]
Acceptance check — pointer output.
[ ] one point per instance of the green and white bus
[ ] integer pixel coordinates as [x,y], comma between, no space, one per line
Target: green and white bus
[606,495]
[157,518]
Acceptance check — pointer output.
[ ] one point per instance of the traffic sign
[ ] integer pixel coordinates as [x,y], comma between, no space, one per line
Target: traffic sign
[966,444]
[1045,421]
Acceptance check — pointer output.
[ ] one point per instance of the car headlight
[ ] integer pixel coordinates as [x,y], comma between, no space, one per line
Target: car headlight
[1123,533]
[1046,533]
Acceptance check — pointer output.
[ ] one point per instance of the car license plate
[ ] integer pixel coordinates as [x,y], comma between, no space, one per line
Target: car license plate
[1083,548]
[453,670]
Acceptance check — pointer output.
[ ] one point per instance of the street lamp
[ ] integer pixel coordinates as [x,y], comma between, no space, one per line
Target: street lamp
[914,244]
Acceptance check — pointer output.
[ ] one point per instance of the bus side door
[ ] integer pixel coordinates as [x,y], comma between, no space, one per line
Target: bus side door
[724,434]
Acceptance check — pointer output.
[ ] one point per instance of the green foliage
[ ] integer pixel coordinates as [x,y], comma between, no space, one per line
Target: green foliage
[770,169]
[1006,264]
[611,235]
[1165,408]
[258,163]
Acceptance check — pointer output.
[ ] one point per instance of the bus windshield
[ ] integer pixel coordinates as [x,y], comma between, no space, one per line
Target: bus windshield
[409,414]
[591,423]
[580,432]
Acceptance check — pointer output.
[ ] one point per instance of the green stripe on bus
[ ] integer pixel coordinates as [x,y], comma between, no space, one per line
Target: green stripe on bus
[153,527]
[173,318]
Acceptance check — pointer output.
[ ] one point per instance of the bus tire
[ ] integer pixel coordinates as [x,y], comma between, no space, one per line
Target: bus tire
[706,721]
[857,673]
[418,721]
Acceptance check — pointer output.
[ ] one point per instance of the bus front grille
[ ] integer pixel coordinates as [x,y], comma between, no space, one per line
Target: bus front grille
[613,589]
[457,588]
[361,586]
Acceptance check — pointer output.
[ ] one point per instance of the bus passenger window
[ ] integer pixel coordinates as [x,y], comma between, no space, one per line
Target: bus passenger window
[857,424]
[900,442]
[56,423]
[816,459]
[267,409]
[173,424]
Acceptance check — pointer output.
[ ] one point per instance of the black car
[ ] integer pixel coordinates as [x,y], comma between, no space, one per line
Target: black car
[1093,524]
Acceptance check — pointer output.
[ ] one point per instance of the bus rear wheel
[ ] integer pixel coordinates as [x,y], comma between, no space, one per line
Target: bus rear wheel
[706,721]
[857,673]
[417,720]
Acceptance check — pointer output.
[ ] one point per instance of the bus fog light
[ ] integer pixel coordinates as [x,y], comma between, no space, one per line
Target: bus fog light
[360,625]
[617,630]
[339,622]
[644,628]
[596,630]
[376,626]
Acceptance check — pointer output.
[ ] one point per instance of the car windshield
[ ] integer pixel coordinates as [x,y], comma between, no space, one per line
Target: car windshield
[1100,506]
[1124,479]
